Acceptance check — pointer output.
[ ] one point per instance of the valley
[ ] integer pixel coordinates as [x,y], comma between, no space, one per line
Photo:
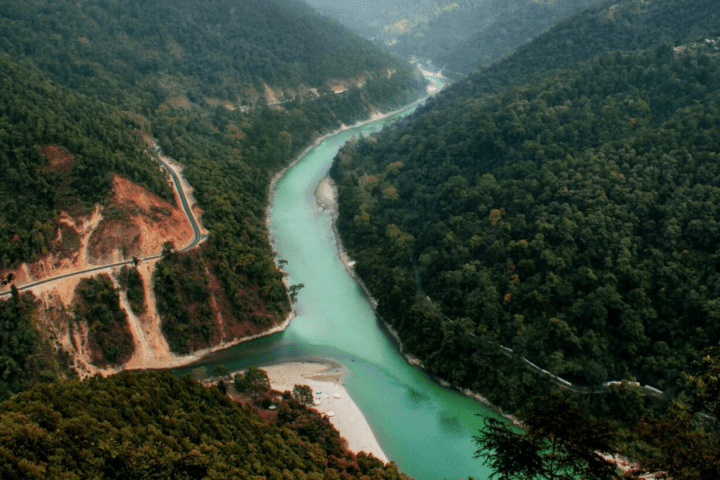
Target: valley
[213,186]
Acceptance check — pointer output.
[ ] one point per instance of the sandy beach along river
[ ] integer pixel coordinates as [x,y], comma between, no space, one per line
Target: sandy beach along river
[331,398]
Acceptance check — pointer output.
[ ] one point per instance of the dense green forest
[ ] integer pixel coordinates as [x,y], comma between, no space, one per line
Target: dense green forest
[136,54]
[599,27]
[131,283]
[170,65]
[35,113]
[98,306]
[86,78]
[26,357]
[184,302]
[569,217]
[611,26]
[153,425]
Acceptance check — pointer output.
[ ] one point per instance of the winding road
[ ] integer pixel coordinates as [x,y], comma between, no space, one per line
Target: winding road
[197,236]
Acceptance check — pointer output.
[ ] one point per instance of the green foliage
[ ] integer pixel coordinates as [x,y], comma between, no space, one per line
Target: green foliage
[137,55]
[131,282]
[704,383]
[254,381]
[684,443]
[221,372]
[168,248]
[182,294]
[595,27]
[628,25]
[309,425]
[153,425]
[559,445]
[303,394]
[26,357]
[294,290]
[98,305]
[681,449]
[231,174]
[92,57]
[92,139]
[570,219]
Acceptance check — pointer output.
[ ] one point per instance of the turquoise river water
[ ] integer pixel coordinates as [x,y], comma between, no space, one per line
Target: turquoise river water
[425,428]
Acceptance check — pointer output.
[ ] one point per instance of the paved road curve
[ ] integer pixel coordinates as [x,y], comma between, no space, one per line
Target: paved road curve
[197,237]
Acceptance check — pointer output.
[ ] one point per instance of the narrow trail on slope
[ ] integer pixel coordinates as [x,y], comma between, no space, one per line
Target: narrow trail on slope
[143,351]
[160,355]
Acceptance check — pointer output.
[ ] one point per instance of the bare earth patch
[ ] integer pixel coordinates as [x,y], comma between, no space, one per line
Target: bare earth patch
[180,102]
[59,159]
[340,85]
[134,219]
[141,222]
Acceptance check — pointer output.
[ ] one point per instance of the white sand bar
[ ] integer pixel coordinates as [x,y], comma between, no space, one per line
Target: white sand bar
[327,379]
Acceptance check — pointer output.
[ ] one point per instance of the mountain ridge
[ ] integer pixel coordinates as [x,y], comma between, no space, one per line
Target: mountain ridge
[473,220]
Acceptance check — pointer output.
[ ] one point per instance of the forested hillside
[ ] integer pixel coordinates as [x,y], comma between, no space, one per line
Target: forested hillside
[233,90]
[27,357]
[136,53]
[57,151]
[153,425]
[569,216]
[601,26]
[477,32]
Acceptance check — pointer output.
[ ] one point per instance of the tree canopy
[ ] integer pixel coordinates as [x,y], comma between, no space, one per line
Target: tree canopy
[154,425]
[559,444]
[232,90]
[254,381]
[26,356]
[566,218]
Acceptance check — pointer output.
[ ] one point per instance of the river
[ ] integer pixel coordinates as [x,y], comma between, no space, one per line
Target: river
[425,428]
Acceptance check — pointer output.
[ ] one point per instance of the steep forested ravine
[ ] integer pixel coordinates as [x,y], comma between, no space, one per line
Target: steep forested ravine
[231,90]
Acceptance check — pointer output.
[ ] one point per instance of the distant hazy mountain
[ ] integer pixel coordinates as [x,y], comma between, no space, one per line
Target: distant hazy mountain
[458,35]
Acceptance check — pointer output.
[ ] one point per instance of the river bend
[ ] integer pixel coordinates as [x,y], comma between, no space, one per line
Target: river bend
[425,428]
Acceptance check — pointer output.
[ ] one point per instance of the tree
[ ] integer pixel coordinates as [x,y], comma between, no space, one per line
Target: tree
[559,445]
[706,382]
[168,248]
[303,394]
[679,449]
[253,381]
[221,372]
[294,290]
[684,445]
